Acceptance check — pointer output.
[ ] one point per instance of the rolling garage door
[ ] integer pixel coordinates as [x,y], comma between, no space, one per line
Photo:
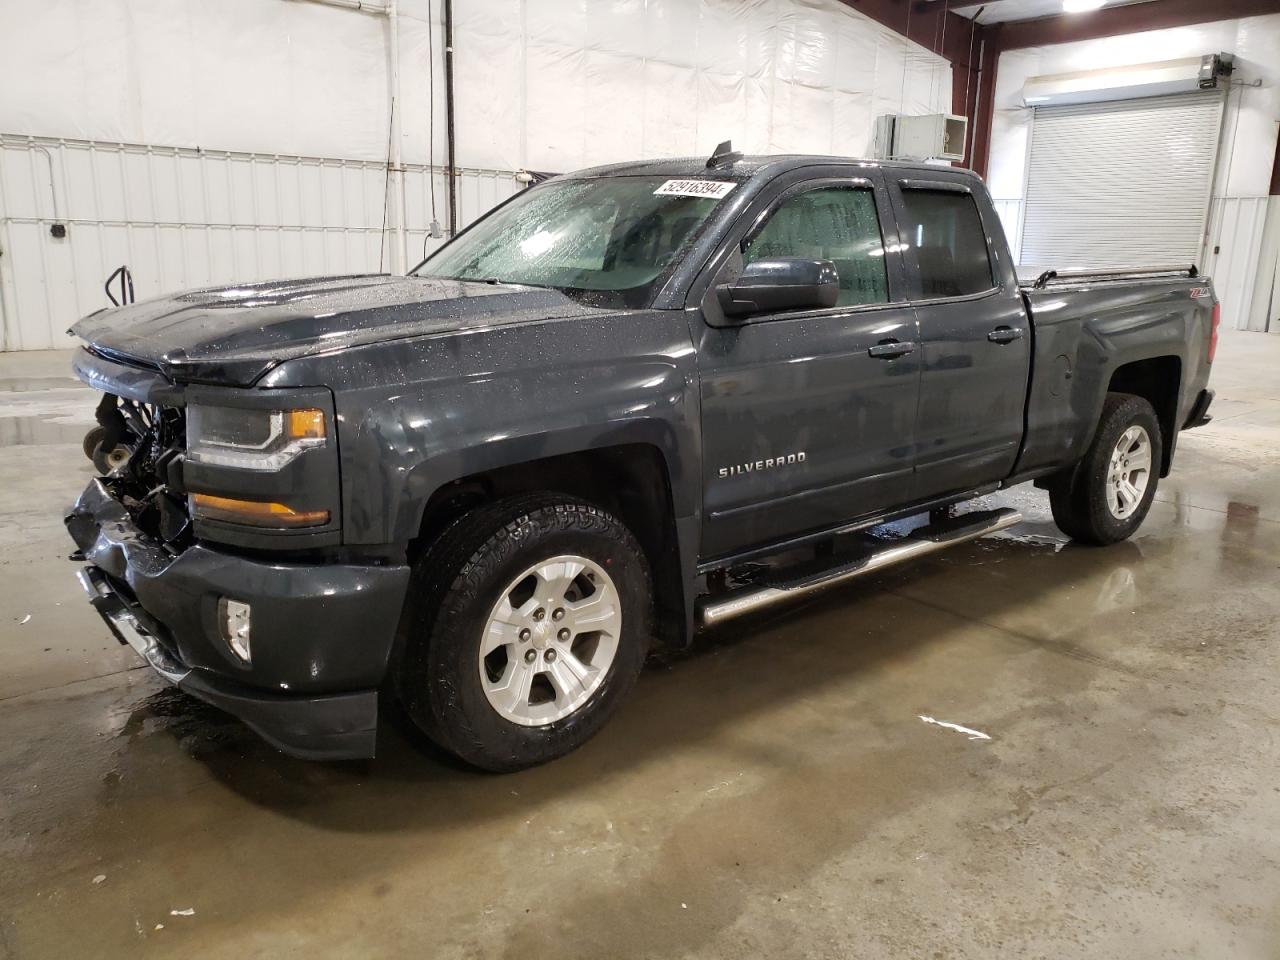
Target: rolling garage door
[1121,184]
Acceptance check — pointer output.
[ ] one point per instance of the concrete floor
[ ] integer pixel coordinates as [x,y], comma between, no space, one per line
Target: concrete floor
[772,793]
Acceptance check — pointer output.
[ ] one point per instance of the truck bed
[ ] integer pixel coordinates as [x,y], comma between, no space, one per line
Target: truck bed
[1147,326]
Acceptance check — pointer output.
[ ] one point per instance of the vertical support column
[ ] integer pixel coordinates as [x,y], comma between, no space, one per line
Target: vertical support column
[448,109]
[966,54]
[1264,312]
[400,245]
[984,106]
[1275,168]
[10,338]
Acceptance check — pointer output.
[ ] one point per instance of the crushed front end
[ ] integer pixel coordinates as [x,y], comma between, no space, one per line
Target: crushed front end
[212,545]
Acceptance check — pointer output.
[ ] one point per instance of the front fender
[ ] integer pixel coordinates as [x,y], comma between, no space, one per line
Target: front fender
[424,478]
[506,396]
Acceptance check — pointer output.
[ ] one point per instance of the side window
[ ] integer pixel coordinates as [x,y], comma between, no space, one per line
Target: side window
[830,223]
[950,244]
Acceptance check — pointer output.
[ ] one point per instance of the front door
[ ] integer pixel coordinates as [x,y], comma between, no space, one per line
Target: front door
[974,337]
[808,416]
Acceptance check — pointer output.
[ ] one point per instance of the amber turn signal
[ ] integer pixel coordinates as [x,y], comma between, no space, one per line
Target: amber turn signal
[255,513]
[305,424]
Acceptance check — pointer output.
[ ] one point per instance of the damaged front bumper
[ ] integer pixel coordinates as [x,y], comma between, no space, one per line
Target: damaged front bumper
[322,632]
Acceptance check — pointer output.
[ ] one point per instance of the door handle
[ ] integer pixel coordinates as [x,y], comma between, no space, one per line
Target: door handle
[890,349]
[1004,335]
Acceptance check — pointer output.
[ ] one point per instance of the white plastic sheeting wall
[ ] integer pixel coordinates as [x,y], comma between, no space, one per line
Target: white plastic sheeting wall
[561,84]
[1246,151]
[266,76]
[288,102]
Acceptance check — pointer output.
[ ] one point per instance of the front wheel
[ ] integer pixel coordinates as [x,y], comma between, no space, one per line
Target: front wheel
[1107,496]
[530,621]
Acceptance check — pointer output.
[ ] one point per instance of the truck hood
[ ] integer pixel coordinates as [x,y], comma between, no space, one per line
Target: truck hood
[233,335]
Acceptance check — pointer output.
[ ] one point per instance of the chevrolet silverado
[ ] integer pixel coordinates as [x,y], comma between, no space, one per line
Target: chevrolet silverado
[627,403]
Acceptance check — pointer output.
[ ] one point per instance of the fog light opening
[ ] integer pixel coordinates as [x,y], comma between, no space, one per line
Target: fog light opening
[234,622]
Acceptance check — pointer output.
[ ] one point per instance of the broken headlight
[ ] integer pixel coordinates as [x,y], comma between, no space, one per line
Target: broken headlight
[252,439]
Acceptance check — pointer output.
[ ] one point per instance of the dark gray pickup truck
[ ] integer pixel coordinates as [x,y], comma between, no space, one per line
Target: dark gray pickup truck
[627,403]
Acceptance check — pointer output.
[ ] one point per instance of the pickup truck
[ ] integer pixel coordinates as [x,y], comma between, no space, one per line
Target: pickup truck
[627,403]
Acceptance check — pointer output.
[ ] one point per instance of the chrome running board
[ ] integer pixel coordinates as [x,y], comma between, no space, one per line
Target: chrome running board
[791,585]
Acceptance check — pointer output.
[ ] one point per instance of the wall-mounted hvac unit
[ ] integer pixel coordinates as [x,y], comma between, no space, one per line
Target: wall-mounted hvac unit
[936,136]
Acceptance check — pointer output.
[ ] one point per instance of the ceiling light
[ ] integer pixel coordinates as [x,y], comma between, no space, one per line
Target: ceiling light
[1081,6]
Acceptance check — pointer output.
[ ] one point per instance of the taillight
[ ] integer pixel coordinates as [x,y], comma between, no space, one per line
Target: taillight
[1213,330]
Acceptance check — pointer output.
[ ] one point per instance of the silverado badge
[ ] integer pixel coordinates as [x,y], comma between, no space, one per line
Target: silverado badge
[756,466]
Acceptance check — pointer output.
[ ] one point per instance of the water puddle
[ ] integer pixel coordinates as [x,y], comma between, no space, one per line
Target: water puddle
[44,410]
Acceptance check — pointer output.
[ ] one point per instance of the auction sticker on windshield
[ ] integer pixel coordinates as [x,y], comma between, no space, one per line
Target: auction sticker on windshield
[695,188]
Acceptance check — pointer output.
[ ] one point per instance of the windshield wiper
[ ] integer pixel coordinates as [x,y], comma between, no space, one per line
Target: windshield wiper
[499,282]
[491,281]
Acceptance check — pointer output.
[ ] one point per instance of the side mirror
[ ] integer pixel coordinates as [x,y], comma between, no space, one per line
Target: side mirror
[783,283]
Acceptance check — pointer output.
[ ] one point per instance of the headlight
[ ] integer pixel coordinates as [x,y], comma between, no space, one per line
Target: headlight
[252,439]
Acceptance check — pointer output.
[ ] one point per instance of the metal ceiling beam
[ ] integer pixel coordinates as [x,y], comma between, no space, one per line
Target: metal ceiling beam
[974,49]
[1107,22]
[930,25]
[1128,18]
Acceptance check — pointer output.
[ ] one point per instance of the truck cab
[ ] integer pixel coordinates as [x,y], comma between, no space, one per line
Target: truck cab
[909,388]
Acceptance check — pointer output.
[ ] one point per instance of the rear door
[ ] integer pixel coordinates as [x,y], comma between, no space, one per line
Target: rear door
[974,335]
[807,416]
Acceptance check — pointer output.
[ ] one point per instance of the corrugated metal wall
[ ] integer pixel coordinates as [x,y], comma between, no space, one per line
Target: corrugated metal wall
[1010,212]
[1234,255]
[183,218]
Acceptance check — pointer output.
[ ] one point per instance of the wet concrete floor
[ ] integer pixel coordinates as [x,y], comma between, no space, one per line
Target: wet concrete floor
[774,792]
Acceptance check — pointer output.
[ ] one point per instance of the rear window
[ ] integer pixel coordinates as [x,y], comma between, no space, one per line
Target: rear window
[951,247]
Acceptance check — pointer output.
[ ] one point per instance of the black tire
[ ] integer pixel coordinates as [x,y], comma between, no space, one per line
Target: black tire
[454,587]
[1080,501]
[92,439]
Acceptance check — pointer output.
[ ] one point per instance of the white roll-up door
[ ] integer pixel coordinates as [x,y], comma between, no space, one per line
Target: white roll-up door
[1121,184]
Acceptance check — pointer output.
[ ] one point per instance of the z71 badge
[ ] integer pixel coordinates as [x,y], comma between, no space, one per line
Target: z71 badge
[757,466]
[1199,292]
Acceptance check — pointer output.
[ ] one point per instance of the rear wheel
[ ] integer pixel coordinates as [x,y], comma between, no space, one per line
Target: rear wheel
[1107,496]
[530,620]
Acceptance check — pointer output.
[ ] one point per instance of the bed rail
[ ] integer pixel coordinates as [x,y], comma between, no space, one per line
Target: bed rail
[1110,276]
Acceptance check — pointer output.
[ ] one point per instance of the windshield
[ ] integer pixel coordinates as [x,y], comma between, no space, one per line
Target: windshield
[605,240]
